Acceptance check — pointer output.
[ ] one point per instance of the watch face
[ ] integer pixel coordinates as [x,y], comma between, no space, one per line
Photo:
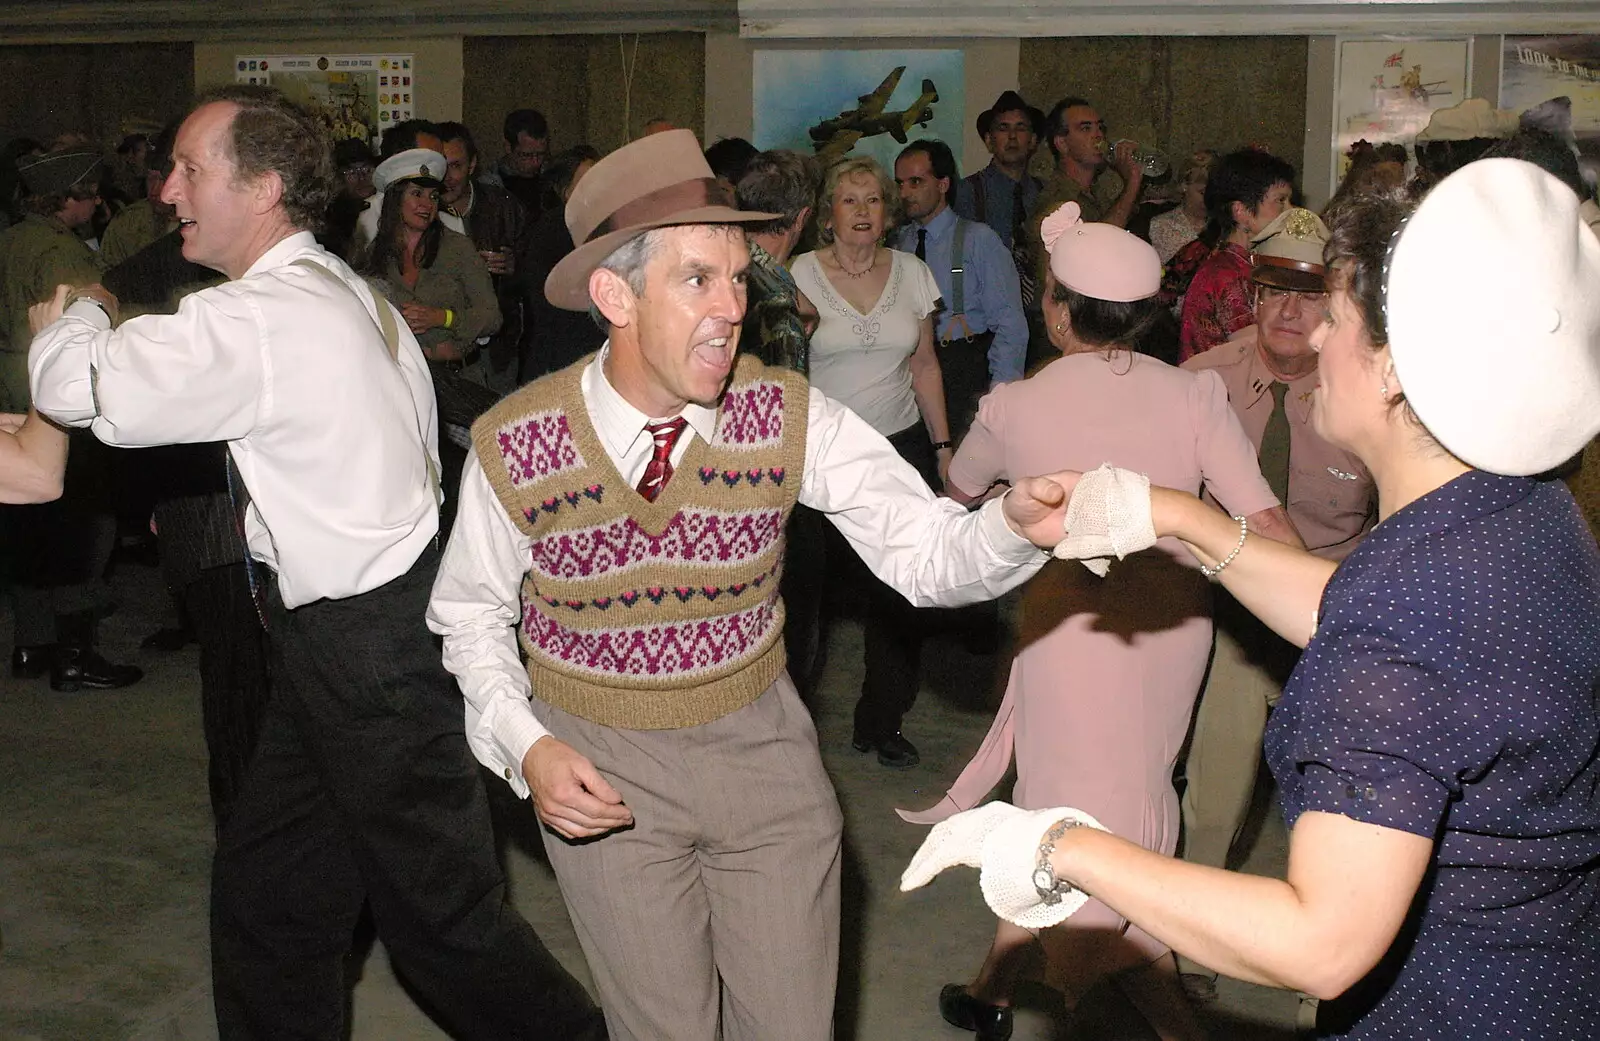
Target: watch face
[1043,880]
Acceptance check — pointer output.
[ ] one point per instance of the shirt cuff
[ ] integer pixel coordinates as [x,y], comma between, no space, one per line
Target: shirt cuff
[515,733]
[89,312]
[1006,544]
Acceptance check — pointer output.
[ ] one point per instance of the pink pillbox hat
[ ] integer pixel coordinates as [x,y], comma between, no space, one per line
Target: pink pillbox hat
[1099,260]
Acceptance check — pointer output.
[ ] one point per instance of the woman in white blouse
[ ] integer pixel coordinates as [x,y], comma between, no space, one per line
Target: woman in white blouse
[873,351]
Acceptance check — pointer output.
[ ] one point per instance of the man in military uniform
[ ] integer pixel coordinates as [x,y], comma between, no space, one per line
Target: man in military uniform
[1270,370]
[57,551]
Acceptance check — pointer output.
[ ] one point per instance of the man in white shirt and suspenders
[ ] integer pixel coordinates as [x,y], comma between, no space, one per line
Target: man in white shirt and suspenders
[362,789]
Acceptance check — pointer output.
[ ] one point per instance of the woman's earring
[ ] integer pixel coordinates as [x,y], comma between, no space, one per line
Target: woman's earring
[1384,390]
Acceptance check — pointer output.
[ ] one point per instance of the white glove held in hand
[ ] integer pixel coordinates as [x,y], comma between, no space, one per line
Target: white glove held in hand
[1109,515]
[1003,843]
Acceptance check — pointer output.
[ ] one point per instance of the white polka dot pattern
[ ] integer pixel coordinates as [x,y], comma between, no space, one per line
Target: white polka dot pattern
[1453,691]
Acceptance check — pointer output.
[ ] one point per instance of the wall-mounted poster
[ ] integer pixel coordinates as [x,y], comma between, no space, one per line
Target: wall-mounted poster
[1388,89]
[872,102]
[356,95]
[1534,69]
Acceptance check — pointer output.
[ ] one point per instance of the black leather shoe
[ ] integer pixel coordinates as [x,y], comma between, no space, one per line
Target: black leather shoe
[960,1009]
[894,751]
[77,667]
[29,663]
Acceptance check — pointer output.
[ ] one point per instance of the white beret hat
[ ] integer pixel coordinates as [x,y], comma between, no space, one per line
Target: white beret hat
[1493,308]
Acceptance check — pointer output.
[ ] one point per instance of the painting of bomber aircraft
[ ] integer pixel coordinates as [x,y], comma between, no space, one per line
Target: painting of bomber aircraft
[871,102]
[834,137]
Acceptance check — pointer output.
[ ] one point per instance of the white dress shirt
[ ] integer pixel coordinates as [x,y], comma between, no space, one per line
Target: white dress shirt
[332,438]
[931,549]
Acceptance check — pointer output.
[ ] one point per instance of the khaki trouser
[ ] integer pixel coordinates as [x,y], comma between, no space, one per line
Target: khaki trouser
[721,902]
[1249,666]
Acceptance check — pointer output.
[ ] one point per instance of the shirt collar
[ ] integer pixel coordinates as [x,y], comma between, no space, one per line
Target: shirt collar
[618,423]
[941,225]
[1259,379]
[280,253]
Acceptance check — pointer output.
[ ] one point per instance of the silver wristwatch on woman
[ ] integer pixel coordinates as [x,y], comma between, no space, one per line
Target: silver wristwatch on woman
[1045,881]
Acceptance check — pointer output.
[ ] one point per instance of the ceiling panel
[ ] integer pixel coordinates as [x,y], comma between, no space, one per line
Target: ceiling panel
[108,21]
[1009,18]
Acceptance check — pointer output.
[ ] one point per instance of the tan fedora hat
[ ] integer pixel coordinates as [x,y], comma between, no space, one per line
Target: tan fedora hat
[655,182]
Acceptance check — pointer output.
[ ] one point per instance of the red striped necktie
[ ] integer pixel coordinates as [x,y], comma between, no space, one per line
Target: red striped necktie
[659,472]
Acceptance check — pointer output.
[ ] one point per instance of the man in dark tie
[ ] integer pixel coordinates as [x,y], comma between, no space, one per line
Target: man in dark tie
[1270,370]
[1002,194]
[981,332]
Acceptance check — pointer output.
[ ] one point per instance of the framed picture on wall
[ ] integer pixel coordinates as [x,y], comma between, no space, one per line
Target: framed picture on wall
[831,103]
[1386,90]
[1536,69]
[355,95]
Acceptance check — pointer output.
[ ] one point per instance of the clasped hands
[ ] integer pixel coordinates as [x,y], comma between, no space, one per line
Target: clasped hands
[420,317]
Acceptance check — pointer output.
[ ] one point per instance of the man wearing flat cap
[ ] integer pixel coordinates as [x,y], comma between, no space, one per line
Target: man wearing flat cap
[623,520]
[1270,370]
[361,791]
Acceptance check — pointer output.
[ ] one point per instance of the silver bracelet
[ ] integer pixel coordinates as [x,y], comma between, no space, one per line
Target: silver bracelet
[1213,572]
[1049,887]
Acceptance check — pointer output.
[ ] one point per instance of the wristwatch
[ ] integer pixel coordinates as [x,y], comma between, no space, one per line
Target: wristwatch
[1051,888]
[941,445]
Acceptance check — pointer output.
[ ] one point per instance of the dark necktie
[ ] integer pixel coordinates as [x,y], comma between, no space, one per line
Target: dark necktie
[1275,445]
[922,243]
[659,472]
[1019,249]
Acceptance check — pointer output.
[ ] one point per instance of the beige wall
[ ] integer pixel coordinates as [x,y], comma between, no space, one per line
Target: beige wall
[582,85]
[436,61]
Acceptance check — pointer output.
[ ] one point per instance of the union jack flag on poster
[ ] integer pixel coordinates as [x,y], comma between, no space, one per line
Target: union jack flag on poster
[1394,60]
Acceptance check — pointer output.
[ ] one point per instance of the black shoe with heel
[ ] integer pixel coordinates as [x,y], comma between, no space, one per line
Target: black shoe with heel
[960,1009]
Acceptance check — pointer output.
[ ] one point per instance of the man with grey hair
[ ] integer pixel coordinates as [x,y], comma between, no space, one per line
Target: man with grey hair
[362,790]
[626,516]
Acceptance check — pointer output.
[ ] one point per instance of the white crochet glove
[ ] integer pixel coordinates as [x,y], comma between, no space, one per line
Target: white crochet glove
[1003,843]
[1109,515]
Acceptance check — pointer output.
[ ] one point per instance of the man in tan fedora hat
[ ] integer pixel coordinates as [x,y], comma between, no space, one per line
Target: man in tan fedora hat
[626,516]
[1270,370]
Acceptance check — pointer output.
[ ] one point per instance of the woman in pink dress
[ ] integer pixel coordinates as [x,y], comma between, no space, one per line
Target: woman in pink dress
[1107,669]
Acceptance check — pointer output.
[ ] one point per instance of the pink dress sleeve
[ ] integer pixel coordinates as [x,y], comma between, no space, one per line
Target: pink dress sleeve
[1228,463]
[980,459]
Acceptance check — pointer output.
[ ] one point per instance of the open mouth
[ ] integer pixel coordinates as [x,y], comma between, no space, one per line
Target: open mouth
[716,352]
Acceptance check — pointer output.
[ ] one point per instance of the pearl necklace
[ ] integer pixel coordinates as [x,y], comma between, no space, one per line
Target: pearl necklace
[854,274]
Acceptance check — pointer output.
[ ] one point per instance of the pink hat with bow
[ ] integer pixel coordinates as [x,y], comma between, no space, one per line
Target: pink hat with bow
[1099,260]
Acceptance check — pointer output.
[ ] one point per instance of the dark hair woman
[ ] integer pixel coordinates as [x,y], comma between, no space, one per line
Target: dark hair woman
[443,290]
[1438,745]
[1104,683]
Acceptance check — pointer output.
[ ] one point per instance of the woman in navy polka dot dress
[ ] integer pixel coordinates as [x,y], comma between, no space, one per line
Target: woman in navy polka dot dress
[1438,747]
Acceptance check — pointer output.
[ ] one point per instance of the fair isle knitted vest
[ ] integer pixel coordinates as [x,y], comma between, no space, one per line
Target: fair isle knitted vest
[650,615]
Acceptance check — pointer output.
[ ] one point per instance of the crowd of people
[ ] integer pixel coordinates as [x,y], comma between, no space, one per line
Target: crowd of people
[615,431]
